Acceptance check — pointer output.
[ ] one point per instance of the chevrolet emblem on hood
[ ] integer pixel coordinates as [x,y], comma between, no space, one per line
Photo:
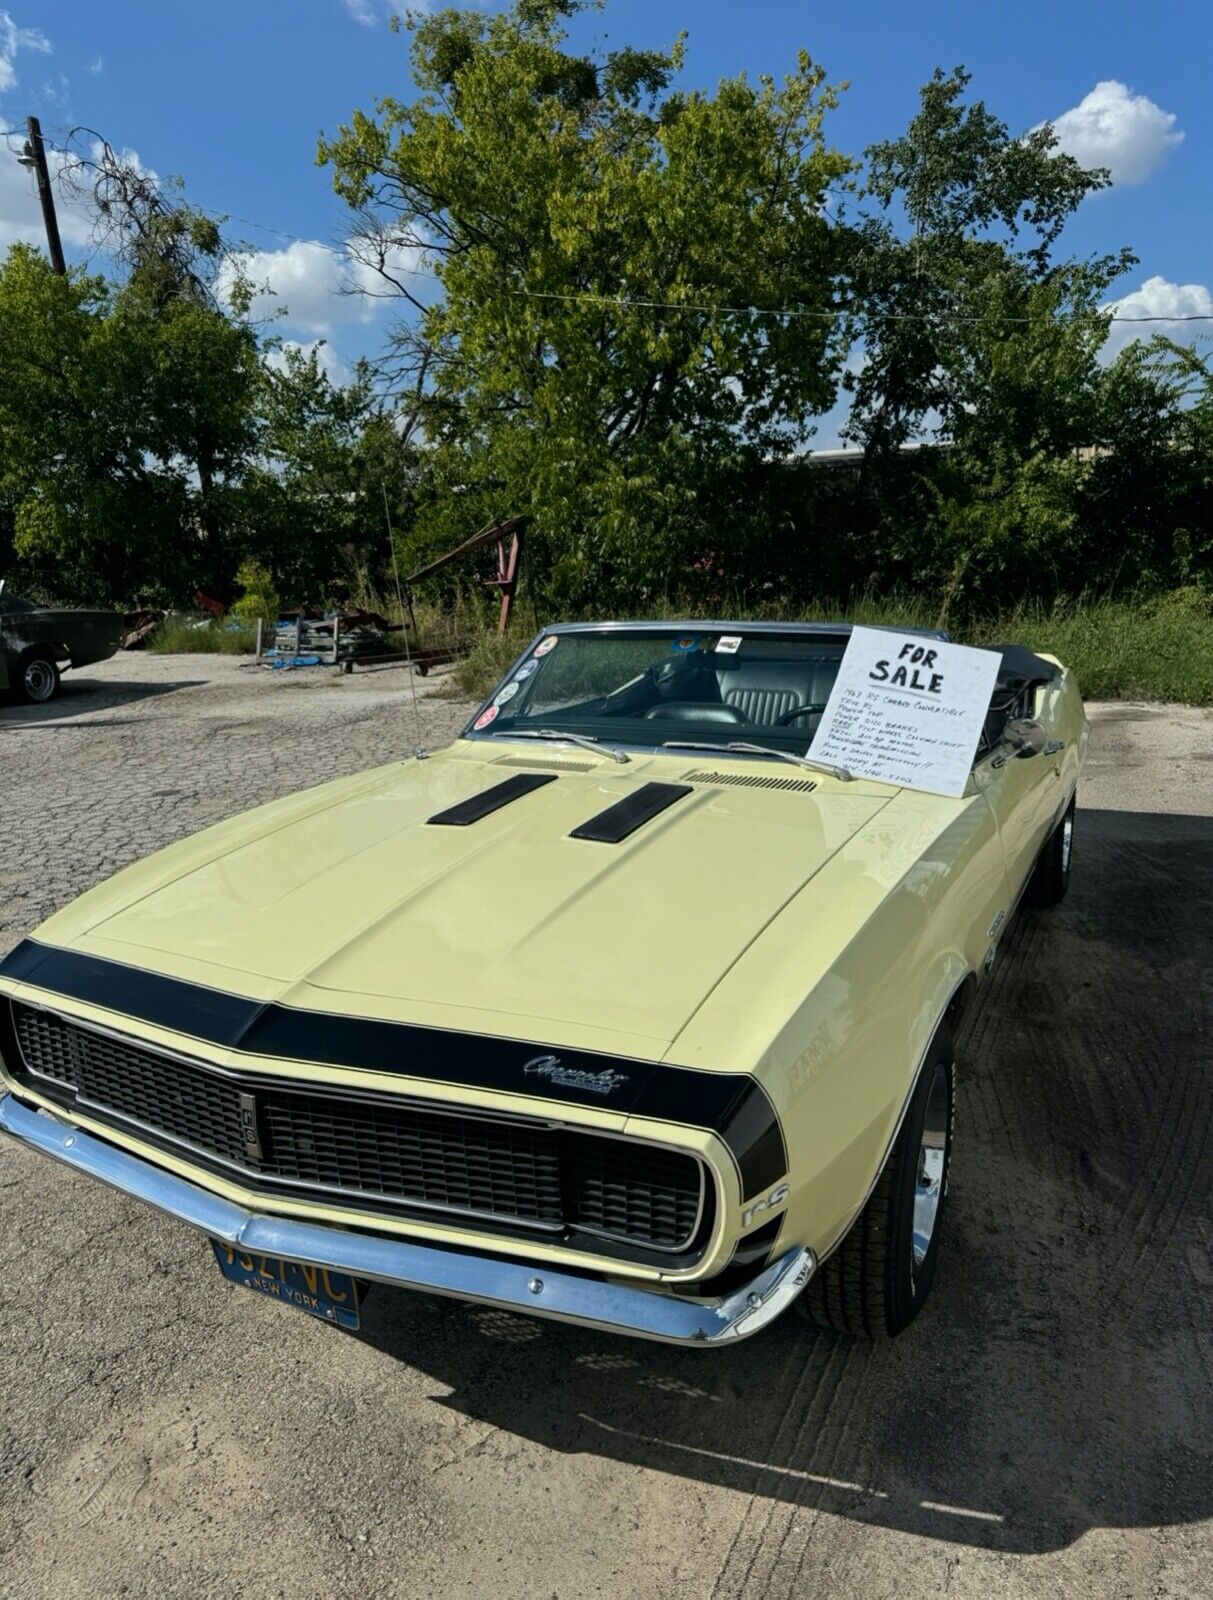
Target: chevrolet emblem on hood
[571,1078]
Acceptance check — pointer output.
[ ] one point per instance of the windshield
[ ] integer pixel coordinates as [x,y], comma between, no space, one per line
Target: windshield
[706,684]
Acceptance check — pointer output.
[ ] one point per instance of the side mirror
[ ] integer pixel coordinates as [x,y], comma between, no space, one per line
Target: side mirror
[1024,737]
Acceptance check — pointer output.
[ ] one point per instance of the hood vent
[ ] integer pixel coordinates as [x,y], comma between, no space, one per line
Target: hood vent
[534,763]
[490,800]
[630,813]
[751,780]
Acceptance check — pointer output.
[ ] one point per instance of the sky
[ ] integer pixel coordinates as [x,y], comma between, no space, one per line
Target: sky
[233,96]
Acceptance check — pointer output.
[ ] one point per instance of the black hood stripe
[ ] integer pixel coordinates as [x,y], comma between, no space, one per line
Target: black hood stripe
[490,800]
[190,1008]
[732,1105]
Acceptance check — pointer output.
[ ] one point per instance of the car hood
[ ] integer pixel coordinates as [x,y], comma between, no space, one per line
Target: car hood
[347,898]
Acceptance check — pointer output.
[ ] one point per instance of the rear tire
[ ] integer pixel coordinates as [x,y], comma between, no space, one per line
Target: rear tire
[37,677]
[1051,876]
[876,1281]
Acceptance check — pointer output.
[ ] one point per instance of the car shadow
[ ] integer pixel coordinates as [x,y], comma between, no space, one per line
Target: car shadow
[86,697]
[1058,1379]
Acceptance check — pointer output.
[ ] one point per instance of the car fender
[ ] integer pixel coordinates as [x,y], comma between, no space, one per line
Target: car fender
[837,1003]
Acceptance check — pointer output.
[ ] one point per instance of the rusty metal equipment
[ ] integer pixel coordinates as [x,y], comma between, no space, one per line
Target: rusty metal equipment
[508,536]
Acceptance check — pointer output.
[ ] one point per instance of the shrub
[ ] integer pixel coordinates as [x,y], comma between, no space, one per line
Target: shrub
[260,599]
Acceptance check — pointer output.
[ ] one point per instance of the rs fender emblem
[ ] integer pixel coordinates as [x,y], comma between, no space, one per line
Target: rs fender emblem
[768,1202]
[550,1067]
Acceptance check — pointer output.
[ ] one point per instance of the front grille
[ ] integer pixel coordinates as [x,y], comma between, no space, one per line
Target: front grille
[431,1158]
[375,1149]
[633,1191]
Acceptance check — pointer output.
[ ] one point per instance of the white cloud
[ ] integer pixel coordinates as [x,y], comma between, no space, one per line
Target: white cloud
[1114,128]
[57,92]
[314,287]
[301,283]
[95,66]
[375,13]
[12,40]
[1159,298]
[329,362]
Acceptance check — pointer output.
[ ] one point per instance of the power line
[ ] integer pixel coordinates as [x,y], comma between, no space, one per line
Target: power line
[343,254]
[621,302]
[831,315]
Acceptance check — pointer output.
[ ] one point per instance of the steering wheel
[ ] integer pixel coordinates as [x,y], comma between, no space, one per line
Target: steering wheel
[668,671]
[799,711]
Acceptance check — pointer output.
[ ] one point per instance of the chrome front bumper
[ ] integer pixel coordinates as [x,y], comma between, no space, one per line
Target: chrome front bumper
[535,1291]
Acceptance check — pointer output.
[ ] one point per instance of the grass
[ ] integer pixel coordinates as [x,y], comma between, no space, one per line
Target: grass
[182,635]
[1156,648]
[1159,648]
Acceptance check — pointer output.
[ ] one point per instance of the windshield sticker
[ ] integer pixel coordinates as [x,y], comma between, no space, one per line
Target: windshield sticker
[525,670]
[485,717]
[728,644]
[684,646]
[550,643]
[508,693]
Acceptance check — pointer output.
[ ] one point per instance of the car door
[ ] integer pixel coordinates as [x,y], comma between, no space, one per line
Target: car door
[1024,792]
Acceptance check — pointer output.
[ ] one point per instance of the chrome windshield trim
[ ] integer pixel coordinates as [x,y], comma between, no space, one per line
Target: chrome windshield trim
[836,630]
[670,750]
[487,1280]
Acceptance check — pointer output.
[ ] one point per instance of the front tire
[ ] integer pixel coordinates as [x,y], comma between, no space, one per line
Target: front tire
[37,677]
[1051,876]
[876,1281]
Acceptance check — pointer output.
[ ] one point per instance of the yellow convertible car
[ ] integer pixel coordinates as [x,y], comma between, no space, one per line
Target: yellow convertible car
[621,1010]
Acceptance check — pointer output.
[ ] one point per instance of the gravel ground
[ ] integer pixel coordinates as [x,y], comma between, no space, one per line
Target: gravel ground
[1044,1429]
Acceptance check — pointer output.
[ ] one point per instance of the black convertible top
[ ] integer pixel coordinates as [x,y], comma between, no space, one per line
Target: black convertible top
[1020,665]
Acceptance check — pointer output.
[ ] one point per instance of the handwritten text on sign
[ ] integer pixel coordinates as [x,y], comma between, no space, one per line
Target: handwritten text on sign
[907,710]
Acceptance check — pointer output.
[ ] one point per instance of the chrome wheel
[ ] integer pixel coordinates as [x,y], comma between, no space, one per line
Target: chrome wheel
[1067,839]
[38,680]
[932,1165]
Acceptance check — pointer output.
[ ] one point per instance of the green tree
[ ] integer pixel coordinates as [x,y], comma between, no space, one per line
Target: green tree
[333,463]
[973,332]
[82,495]
[127,415]
[1145,502]
[565,203]
[124,427]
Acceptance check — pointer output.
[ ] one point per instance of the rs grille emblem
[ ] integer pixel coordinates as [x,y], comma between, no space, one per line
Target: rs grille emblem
[248,1127]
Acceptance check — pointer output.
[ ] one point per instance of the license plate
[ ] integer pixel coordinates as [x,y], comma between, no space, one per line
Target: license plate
[332,1296]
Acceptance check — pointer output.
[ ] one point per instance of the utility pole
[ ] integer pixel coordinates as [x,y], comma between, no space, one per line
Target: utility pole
[35,157]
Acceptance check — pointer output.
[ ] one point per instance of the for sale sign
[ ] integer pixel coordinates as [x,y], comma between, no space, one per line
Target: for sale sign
[907,710]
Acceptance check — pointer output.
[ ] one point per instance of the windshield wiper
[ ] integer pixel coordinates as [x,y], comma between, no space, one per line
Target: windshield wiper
[582,739]
[743,748]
